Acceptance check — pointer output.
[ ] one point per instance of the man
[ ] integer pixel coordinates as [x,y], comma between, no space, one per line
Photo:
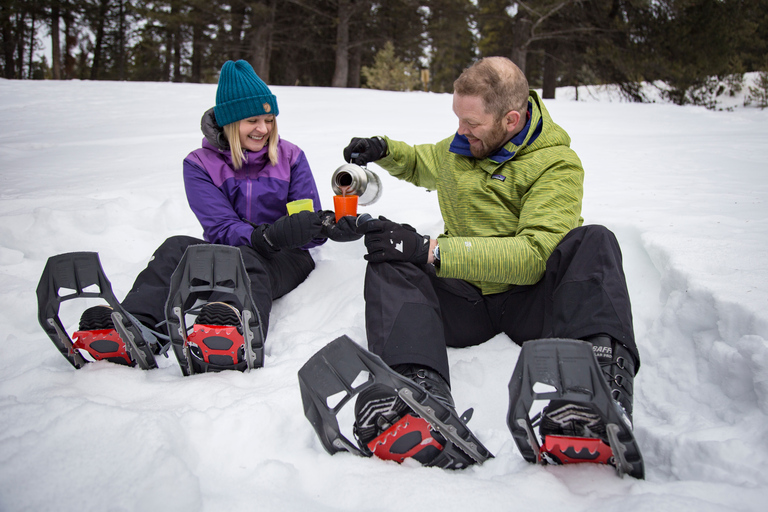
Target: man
[514,256]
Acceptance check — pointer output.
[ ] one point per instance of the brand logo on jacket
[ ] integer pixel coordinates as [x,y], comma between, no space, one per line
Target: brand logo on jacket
[499,177]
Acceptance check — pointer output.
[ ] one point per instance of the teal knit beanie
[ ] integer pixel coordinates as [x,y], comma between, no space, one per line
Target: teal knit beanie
[241,94]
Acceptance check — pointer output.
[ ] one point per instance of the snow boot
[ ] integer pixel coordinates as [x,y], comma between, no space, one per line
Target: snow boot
[390,429]
[570,419]
[216,340]
[98,337]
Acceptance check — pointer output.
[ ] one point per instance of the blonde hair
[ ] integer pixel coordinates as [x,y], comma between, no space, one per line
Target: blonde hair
[232,132]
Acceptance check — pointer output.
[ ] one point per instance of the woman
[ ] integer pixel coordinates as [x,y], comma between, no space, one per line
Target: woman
[238,184]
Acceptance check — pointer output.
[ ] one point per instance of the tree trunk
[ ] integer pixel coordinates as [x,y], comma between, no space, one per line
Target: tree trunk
[70,41]
[550,75]
[521,37]
[355,65]
[55,42]
[263,23]
[341,73]
[121,41]
[20,44]
[95,68]
[175,27]
[8,46]
[32,32]
[197,47]
[239,10]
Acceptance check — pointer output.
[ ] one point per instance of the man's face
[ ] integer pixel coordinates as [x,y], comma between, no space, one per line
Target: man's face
[484,133]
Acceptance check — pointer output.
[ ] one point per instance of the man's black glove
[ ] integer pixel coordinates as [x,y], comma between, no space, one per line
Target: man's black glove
[288,232]
[361,151]
[390,241]
[342,231]
[212,131]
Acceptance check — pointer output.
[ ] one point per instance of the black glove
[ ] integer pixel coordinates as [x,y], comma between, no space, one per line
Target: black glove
[342,231]
[390,241]
[212,131]
[361,151]
[288,232]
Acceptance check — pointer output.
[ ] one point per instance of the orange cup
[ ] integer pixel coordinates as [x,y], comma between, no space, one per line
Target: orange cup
[345,205]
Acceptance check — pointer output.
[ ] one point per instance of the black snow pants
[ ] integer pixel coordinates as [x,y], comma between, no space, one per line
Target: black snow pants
[412,315]
[270,279]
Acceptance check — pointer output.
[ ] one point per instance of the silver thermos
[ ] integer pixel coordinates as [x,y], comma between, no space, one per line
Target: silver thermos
[351,179]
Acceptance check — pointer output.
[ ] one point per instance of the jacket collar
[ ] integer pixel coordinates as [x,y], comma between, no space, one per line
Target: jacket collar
[460,144]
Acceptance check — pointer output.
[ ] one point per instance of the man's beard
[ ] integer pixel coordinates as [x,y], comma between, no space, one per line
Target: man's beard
[492,142]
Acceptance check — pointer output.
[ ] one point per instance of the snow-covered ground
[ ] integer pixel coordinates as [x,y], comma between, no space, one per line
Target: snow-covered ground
[96,166]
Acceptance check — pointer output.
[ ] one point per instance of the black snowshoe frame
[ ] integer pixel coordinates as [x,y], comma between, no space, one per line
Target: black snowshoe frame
[209,268]
[79,275]
[343,369]
[569,371]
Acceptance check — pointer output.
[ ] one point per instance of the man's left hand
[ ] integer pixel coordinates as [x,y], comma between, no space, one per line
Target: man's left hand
[342,231]
[390,241]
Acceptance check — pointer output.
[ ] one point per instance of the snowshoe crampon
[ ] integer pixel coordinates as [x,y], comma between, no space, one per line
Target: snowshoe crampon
[123,339]
[343,369]
[236,343]
[566,371]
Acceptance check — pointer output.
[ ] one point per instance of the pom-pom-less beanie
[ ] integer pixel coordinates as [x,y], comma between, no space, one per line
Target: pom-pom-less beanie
[242,94]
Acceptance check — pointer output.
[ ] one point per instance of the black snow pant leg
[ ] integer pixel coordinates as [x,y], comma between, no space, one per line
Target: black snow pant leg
[586,289]
[273,278]
[402,317]
[146,299]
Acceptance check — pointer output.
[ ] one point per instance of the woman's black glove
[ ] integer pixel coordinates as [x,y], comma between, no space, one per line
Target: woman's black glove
[342,231]
[212,131]
[288,232]
[361,151]
[390,241]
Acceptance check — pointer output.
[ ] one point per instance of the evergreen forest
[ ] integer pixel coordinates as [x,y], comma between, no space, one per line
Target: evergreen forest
[690,46]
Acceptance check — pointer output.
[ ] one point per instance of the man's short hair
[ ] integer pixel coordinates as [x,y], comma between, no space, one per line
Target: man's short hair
[499,82]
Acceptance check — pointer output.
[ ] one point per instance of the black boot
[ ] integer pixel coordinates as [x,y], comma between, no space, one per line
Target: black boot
[565,418]
[378,415]
[618,367]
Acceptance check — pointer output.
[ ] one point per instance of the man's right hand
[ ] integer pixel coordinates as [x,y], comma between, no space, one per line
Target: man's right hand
[361,151]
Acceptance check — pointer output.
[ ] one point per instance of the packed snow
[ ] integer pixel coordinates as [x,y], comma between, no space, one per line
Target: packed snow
[96,166]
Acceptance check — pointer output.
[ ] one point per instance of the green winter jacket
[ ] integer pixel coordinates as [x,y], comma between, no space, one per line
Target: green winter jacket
[505,214]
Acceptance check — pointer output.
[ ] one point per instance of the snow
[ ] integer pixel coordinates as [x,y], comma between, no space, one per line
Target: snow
[96,166]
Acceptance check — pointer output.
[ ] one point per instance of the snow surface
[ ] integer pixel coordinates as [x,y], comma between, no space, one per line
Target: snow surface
[96,166]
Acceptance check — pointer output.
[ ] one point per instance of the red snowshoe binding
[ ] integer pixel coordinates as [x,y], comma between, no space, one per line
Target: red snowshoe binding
[98,337]
[216,341]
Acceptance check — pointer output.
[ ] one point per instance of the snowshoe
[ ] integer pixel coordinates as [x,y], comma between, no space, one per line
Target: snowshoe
[581,422]
[396,418]
[106,332]
[222,336]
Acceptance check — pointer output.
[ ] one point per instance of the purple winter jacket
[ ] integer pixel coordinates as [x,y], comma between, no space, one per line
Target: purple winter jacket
[224,199]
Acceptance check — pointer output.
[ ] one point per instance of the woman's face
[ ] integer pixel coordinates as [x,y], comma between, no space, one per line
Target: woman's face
[255,131]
